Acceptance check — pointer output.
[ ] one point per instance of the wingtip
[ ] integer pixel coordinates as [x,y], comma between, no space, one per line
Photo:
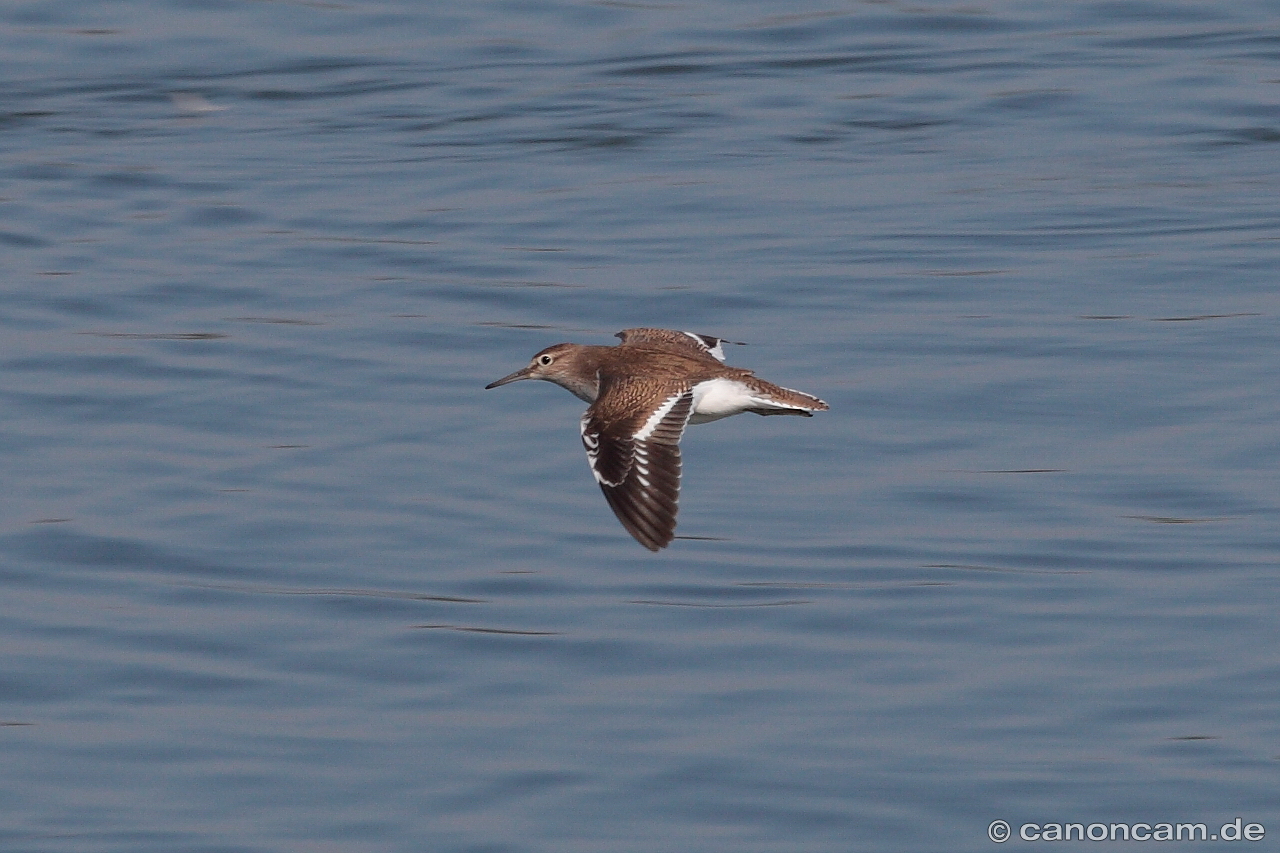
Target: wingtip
[650,524]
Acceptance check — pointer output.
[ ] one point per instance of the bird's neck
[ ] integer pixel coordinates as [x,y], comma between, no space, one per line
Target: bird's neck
[582,379]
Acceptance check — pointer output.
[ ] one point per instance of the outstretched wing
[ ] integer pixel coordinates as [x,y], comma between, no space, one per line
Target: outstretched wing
[636,461]
[688,343]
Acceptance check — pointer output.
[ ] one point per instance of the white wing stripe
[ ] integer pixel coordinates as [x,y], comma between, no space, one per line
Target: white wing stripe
[662,411]
[591,441]
[713,346]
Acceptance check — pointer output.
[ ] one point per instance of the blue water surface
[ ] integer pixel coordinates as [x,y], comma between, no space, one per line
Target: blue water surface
[279,575]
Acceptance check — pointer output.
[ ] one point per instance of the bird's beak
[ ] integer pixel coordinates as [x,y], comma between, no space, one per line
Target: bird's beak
[523,373]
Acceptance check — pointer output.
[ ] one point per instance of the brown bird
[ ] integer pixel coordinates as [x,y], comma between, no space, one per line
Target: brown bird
[643,393]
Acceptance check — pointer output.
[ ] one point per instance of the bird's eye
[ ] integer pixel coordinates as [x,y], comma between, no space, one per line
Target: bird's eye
[544,360]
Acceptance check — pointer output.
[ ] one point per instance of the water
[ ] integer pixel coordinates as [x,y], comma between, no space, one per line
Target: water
[279,576]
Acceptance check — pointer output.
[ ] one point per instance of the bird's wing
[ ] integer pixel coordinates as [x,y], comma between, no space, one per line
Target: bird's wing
[688,343]
[634,453]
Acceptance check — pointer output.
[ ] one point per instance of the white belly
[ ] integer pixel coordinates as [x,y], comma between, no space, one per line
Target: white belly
[722,398]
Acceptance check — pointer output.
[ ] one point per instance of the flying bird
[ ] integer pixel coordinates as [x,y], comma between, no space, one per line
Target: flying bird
[642,394]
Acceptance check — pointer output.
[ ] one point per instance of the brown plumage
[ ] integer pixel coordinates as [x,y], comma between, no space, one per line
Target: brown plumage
[643,393]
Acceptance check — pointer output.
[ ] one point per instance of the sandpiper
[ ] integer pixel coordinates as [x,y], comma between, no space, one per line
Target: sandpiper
[643,393]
